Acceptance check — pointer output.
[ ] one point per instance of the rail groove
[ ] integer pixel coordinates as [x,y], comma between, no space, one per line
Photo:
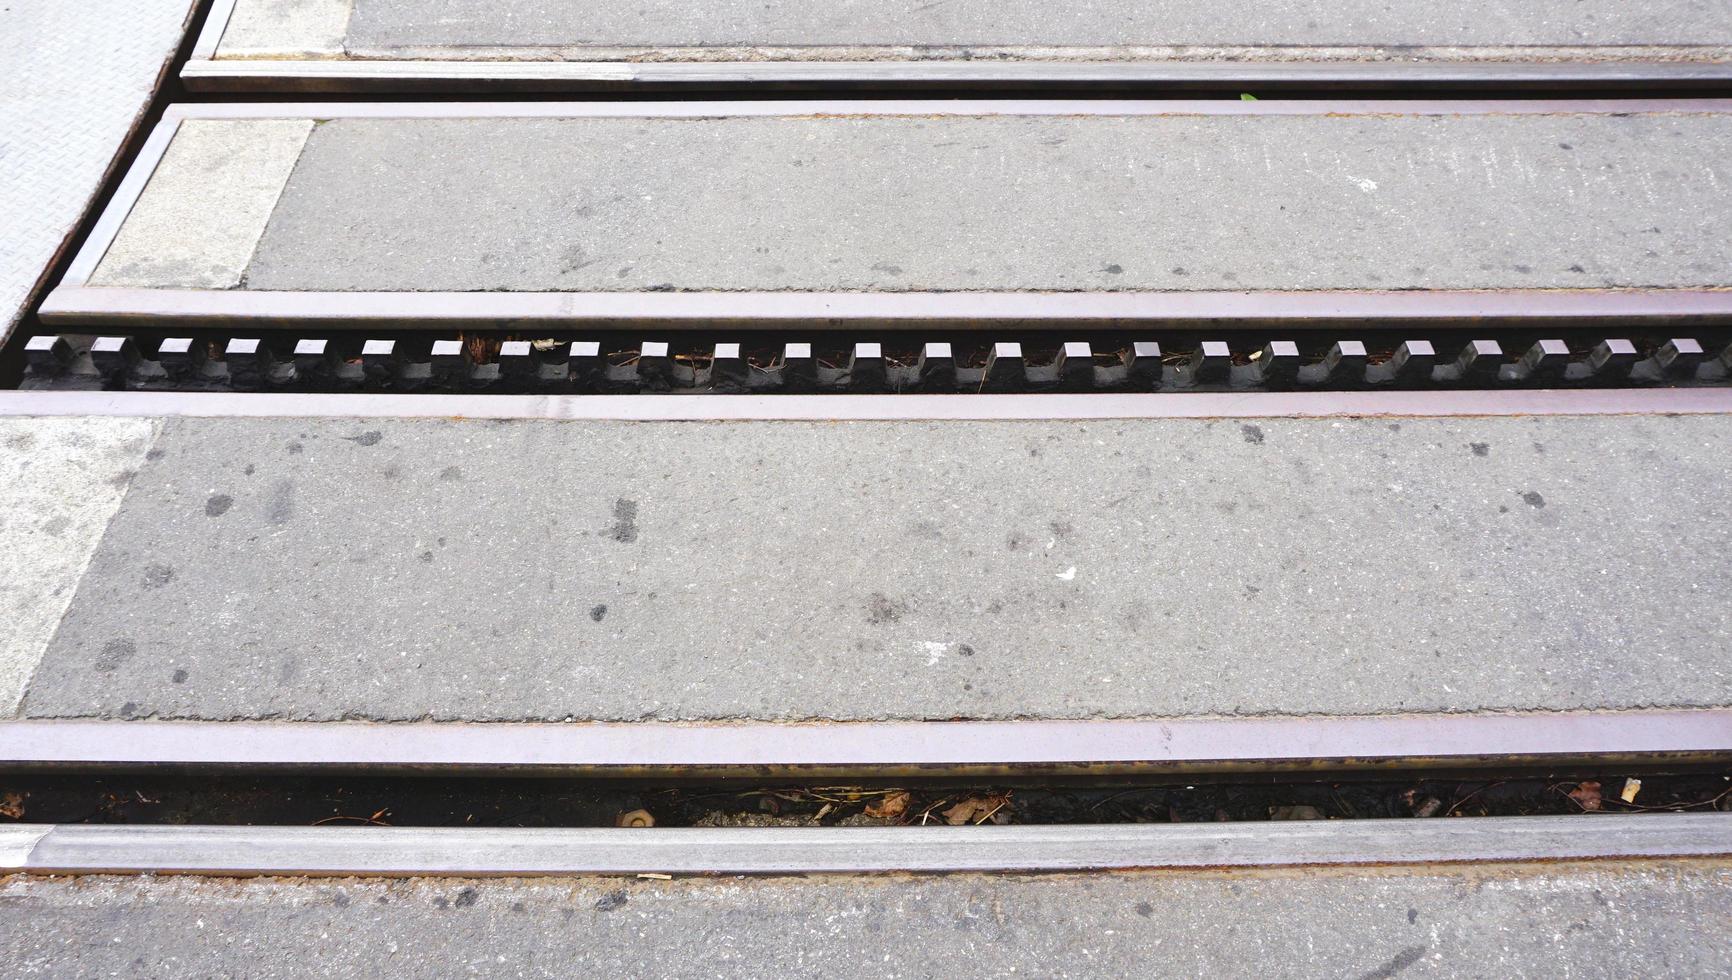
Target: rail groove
[209,850]
[1497,78]
[322,364]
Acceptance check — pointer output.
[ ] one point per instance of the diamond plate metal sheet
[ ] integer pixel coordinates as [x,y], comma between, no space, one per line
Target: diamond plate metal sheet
[74,78]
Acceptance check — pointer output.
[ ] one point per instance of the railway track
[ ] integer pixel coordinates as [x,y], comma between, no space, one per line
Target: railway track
[555,366]
[528,800]
[519,46]
[1173,463]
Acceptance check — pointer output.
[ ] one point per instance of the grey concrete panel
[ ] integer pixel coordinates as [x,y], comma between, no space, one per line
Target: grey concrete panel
[61,481]
[206,204]
[1605,920]
[620,571]
[388,24]
[1006,203]
[286,28]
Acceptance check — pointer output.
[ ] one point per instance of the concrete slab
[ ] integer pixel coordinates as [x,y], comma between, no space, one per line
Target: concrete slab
[74,79]
[912,29]
[207,204]
[61,480]
[286,28]
[1643,919]
[1056,202]
[325,569]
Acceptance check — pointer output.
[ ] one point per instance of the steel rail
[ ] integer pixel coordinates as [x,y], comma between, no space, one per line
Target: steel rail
[215,25]
[675,109]
[962,407]
[205,73]
[1096,747]
[464,852]
[240,308]
[516,69]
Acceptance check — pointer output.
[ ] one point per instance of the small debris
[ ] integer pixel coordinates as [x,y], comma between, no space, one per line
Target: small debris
[1427,807]
[376,820]
[12,806]
[635,818]
[1067,574]
[978,810]
[1298,812]
[1632,786]
[1587,795]
[721,818]
[655,875]
[891,807]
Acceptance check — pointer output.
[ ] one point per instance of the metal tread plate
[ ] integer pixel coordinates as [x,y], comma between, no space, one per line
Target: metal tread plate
[74,80]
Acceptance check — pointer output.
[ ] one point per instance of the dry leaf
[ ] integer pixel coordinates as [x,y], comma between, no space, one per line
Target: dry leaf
[961,813]
[975,809]
[12,806]
[890,807]
[1587,795]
